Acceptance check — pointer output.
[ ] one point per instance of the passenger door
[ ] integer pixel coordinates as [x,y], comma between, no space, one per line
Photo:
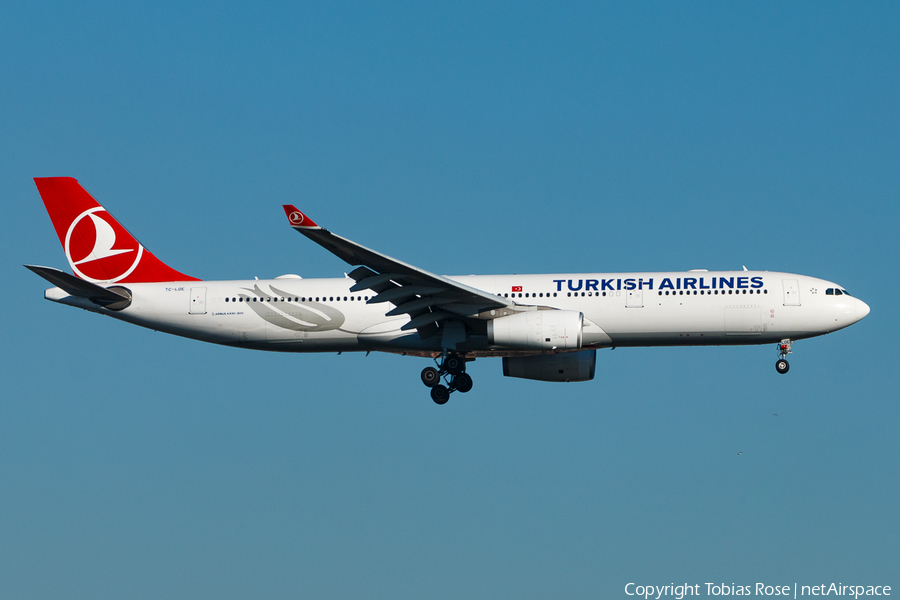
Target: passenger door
[634,299]
[198,301]
[791,292]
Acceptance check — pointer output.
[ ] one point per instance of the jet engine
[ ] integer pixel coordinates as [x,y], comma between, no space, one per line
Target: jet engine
[565,366]
[538,330]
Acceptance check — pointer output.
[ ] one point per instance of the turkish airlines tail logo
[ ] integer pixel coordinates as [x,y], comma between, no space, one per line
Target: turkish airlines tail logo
[89,248]
[104,239]
[98,248]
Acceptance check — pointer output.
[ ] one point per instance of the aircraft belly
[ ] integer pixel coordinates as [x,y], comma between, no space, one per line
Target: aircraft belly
[678,324]
[386,333]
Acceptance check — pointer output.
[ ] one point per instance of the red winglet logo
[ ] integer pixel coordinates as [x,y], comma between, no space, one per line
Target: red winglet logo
[297,218]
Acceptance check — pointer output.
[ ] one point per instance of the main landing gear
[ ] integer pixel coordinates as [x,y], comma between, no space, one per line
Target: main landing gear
[453,369]
[784,348]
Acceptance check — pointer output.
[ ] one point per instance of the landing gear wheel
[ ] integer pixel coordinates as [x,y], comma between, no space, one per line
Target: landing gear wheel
[440,394]
[431,376]
[782,366]
[454,364]
[462,382]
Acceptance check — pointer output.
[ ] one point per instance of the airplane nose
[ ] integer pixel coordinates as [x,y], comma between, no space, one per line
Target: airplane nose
[862,309]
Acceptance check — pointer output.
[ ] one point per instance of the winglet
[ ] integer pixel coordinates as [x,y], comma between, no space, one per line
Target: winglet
[297,219]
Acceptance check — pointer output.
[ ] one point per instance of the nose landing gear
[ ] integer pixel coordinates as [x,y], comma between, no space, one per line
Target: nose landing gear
[784,348]
[452,369]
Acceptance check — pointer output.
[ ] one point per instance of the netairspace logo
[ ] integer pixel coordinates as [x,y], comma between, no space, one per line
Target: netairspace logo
[760,589]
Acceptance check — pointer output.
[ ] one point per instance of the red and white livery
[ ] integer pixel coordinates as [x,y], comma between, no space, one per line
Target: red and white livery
[545,327]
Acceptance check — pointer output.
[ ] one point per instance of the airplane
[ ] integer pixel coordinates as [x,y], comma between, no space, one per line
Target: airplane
[544,327]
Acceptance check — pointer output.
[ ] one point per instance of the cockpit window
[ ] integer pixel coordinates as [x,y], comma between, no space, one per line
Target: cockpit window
[846,292]
[836,292]
[829,292]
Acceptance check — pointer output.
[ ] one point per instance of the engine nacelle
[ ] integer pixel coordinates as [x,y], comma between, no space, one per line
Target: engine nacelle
[538,330]
[565,366]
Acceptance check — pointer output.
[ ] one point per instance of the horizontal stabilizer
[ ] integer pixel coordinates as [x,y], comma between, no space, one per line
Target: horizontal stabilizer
[116,298]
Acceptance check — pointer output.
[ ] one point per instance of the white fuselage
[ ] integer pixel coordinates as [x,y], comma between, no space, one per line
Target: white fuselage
[625,309]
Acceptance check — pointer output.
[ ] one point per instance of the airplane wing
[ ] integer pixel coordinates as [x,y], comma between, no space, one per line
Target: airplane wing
[427,298]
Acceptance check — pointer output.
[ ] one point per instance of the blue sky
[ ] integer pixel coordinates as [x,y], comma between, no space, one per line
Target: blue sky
[463,138]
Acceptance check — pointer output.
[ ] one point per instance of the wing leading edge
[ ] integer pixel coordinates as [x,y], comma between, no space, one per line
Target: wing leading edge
[427,298]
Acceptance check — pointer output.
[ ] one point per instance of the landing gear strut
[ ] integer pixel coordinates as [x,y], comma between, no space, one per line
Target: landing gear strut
[452,368]
[784,348]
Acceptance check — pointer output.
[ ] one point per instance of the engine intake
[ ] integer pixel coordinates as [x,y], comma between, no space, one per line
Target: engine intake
[538,330]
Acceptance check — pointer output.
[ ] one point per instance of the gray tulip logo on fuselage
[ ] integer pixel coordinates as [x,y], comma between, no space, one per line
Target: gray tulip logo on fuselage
[278,309]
